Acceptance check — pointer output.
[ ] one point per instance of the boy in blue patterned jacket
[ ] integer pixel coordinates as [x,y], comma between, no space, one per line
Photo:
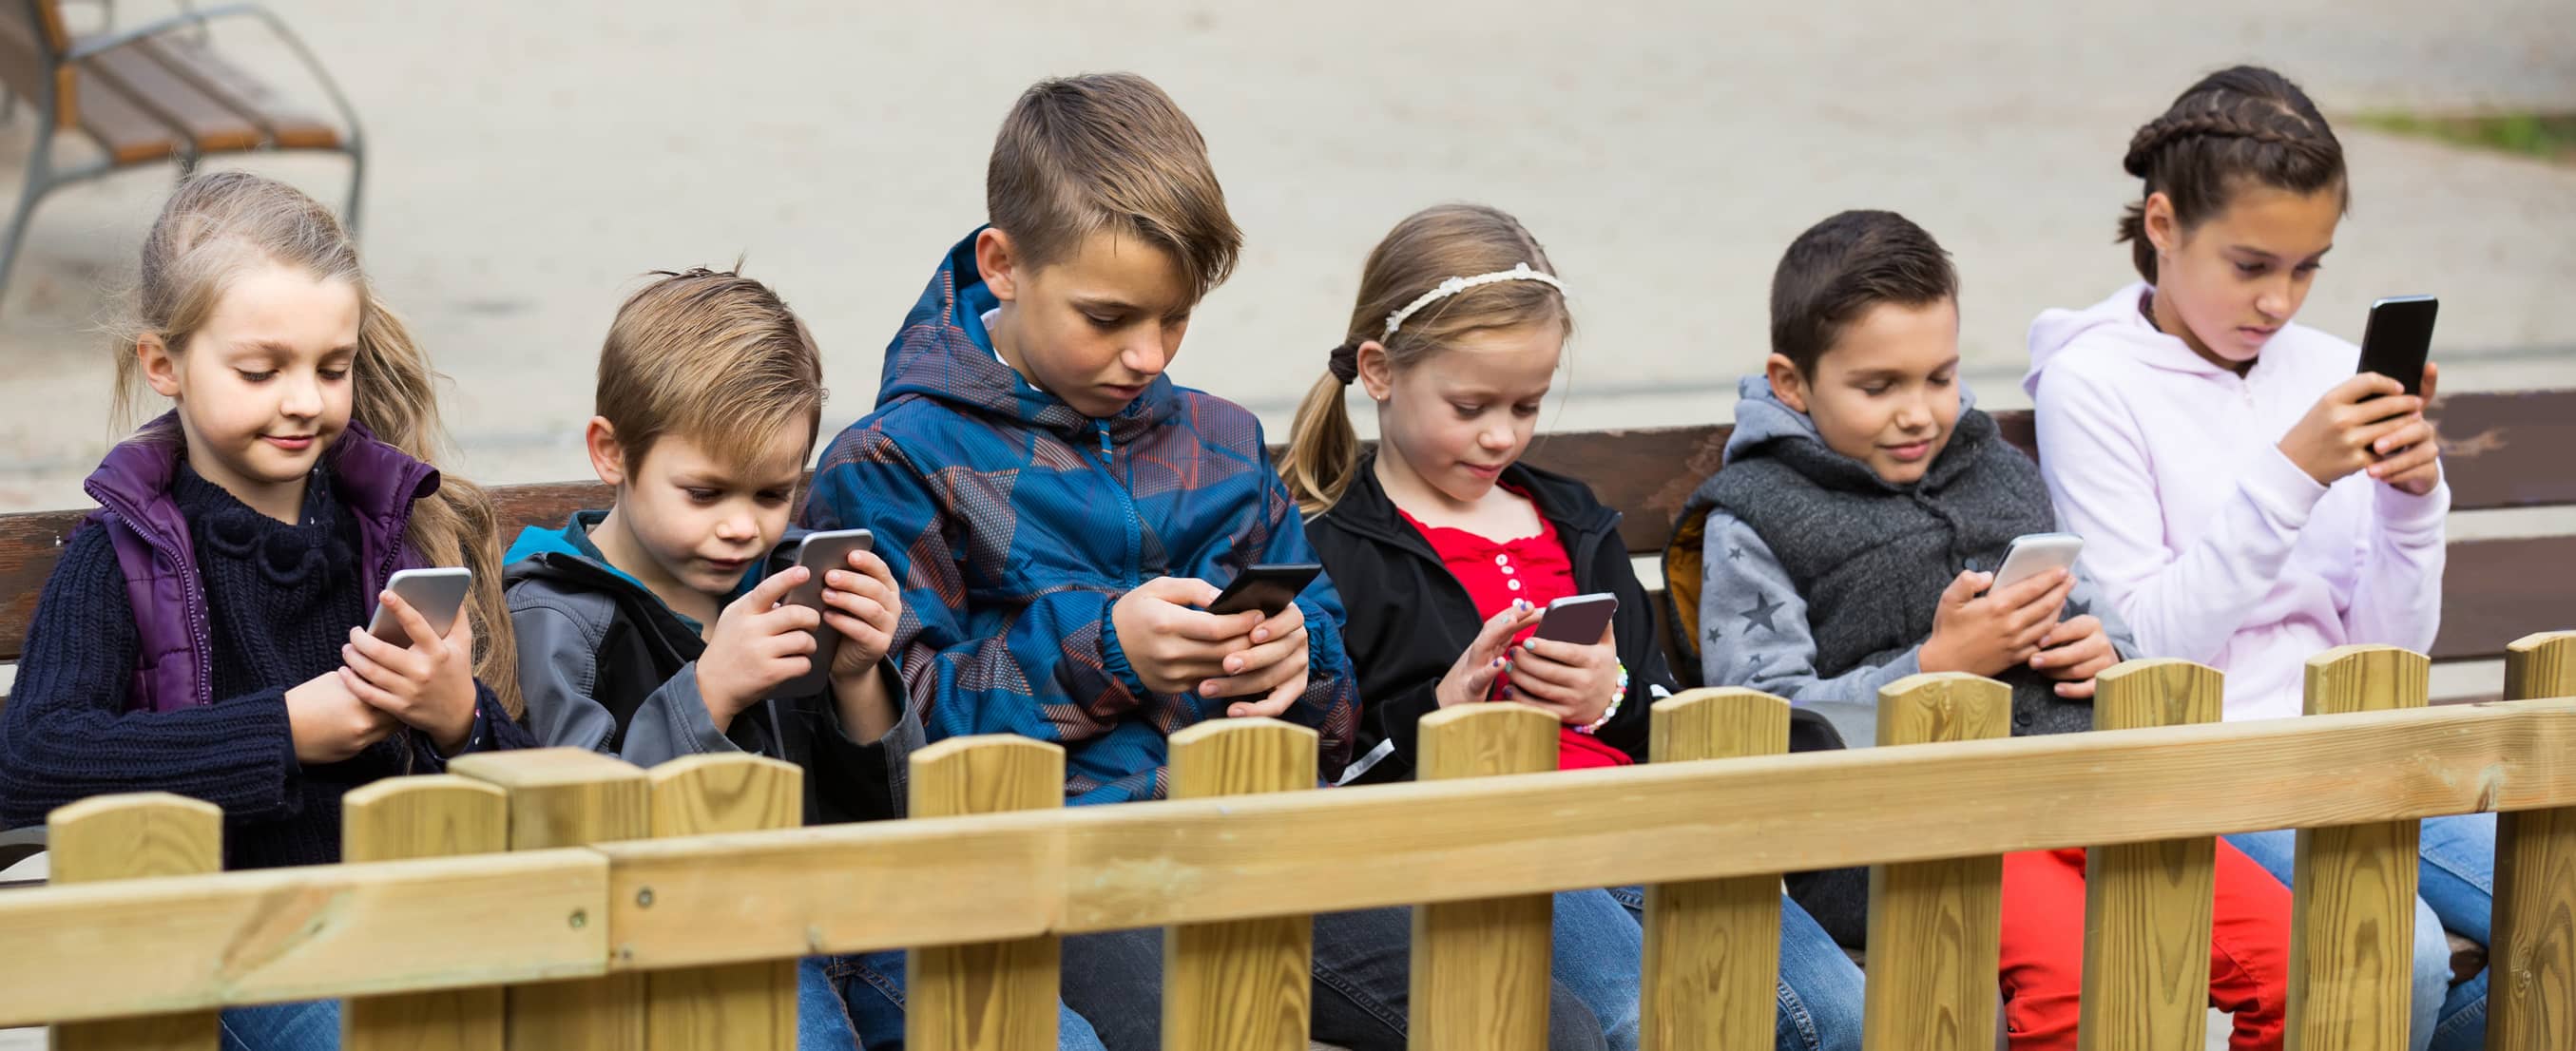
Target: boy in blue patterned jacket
[1056,509]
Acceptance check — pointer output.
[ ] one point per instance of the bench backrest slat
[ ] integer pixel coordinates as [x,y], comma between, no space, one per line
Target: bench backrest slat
[2503,450]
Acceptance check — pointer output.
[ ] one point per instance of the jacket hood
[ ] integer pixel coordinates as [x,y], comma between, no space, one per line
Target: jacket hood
[944,354]
[2113,326]
[1762,418]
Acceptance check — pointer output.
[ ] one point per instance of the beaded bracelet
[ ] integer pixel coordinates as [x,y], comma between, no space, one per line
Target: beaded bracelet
[1616,696]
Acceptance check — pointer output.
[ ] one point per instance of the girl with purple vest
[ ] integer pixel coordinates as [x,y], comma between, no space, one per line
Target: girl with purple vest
[202,633]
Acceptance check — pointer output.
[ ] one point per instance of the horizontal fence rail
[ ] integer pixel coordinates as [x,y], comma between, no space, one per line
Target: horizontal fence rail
[607,938]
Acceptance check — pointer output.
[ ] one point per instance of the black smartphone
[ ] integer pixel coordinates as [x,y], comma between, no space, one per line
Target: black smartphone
[1268,588]
[2399,338]
[821,553]
[1578,619]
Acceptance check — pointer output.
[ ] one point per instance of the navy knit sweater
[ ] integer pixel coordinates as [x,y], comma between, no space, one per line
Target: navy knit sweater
[281,599]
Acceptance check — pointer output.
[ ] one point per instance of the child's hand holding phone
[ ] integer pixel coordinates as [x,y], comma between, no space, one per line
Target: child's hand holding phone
[1573,682]
[2410,459]
[862,605]
[428,685]
[1174,646]
[2348,429]
[1471,679]
[2074,652]
[2004,628]
[759,642]
[329,724]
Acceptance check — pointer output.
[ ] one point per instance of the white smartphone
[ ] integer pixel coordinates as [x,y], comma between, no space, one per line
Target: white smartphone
[1578,619]
[439,595]
[2035,553]
[821,553]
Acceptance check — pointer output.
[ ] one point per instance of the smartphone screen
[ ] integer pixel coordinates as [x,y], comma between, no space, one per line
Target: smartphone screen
[1268,588]
[2399,339]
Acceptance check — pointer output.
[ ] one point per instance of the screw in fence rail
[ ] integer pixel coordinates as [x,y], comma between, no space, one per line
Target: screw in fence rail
[1480,968]
[1241,985]
[1935,927]
[569,797]
[424,817]
[994,996]
[2352,887]
[2147,906]
[2531,967]
[727,1007]
[130,837]
[1713,946]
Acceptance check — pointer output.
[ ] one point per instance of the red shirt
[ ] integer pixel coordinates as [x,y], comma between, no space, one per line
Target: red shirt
[1535,569]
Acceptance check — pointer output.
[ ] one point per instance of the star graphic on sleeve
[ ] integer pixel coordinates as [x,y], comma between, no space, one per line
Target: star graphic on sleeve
[2076,609]
[1714,634]
[1734,553]
[1760,615]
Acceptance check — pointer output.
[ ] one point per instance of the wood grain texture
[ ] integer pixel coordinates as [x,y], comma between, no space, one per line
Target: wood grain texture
[1936,927]
[2352,891]
[2147,906]
[570,797]
[1480,968]
[747,1006]
[992,996]
[1712,966]
[1242,985]
[1189,861]
[2531,987]
[397,819]
[274,935]
[127,837]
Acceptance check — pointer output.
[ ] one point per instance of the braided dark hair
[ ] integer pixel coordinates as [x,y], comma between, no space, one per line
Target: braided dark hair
[2237,124]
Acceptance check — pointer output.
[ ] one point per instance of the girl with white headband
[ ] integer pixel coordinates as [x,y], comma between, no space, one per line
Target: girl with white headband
[1447,550]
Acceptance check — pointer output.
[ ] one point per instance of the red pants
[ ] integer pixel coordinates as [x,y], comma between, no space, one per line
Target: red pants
[2043,949]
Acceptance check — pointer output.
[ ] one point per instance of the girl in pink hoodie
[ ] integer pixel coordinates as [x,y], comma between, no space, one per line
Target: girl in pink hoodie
[2246,500]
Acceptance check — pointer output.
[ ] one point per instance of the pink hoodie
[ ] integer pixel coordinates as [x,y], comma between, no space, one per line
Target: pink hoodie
[2208,540]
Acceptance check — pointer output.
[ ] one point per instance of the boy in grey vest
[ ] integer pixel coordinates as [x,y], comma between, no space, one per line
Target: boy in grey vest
[1851,537]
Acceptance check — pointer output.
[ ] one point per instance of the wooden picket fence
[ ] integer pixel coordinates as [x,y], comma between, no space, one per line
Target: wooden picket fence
[560,900]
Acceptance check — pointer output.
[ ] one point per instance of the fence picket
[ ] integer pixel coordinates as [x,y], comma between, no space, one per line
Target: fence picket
[1935,927]
[570,797]
[1243,985]
[749,1006]
[2531,967]
[1480,968]
[2352,891]
[2147,906]
[994,996]
[129,837]
[1713,946]
[424,817]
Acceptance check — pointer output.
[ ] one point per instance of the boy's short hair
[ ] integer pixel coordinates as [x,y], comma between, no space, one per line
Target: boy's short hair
[714,357]
[1109,151]
[1845,265]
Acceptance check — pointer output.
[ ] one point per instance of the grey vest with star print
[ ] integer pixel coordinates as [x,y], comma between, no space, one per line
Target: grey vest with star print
[1872,558]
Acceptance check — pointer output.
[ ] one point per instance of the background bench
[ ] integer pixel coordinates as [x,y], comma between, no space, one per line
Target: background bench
[2501,450]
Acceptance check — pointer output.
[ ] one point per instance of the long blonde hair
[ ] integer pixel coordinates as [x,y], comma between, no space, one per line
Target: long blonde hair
[1427,248]
[219,224]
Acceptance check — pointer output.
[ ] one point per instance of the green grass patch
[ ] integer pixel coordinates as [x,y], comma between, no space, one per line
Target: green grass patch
[2547,136]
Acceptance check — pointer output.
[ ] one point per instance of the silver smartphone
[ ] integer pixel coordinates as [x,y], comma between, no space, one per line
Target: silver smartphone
[821,553]
[439,595]
[2035,553]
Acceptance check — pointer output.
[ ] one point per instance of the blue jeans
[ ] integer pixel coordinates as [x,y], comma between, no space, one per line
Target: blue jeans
[1820,988]
[2455,889]
[1113,995]
[314,1025]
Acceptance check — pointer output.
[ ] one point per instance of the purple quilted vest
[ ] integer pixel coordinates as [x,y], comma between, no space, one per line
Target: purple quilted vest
[174,663]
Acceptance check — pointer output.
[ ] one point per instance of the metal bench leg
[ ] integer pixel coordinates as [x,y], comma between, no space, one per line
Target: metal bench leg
[40,181]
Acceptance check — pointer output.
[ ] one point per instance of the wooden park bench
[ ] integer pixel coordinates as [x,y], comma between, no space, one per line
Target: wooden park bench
[157,92]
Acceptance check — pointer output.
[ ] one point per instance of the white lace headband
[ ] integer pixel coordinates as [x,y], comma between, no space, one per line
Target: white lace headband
[1455,285]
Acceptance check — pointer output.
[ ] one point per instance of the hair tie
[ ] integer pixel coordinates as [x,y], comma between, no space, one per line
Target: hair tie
[1345,362]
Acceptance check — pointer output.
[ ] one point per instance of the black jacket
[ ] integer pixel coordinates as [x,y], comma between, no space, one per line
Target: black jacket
[1409,619]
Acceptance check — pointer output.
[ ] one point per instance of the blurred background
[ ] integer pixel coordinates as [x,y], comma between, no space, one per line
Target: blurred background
[527,162]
